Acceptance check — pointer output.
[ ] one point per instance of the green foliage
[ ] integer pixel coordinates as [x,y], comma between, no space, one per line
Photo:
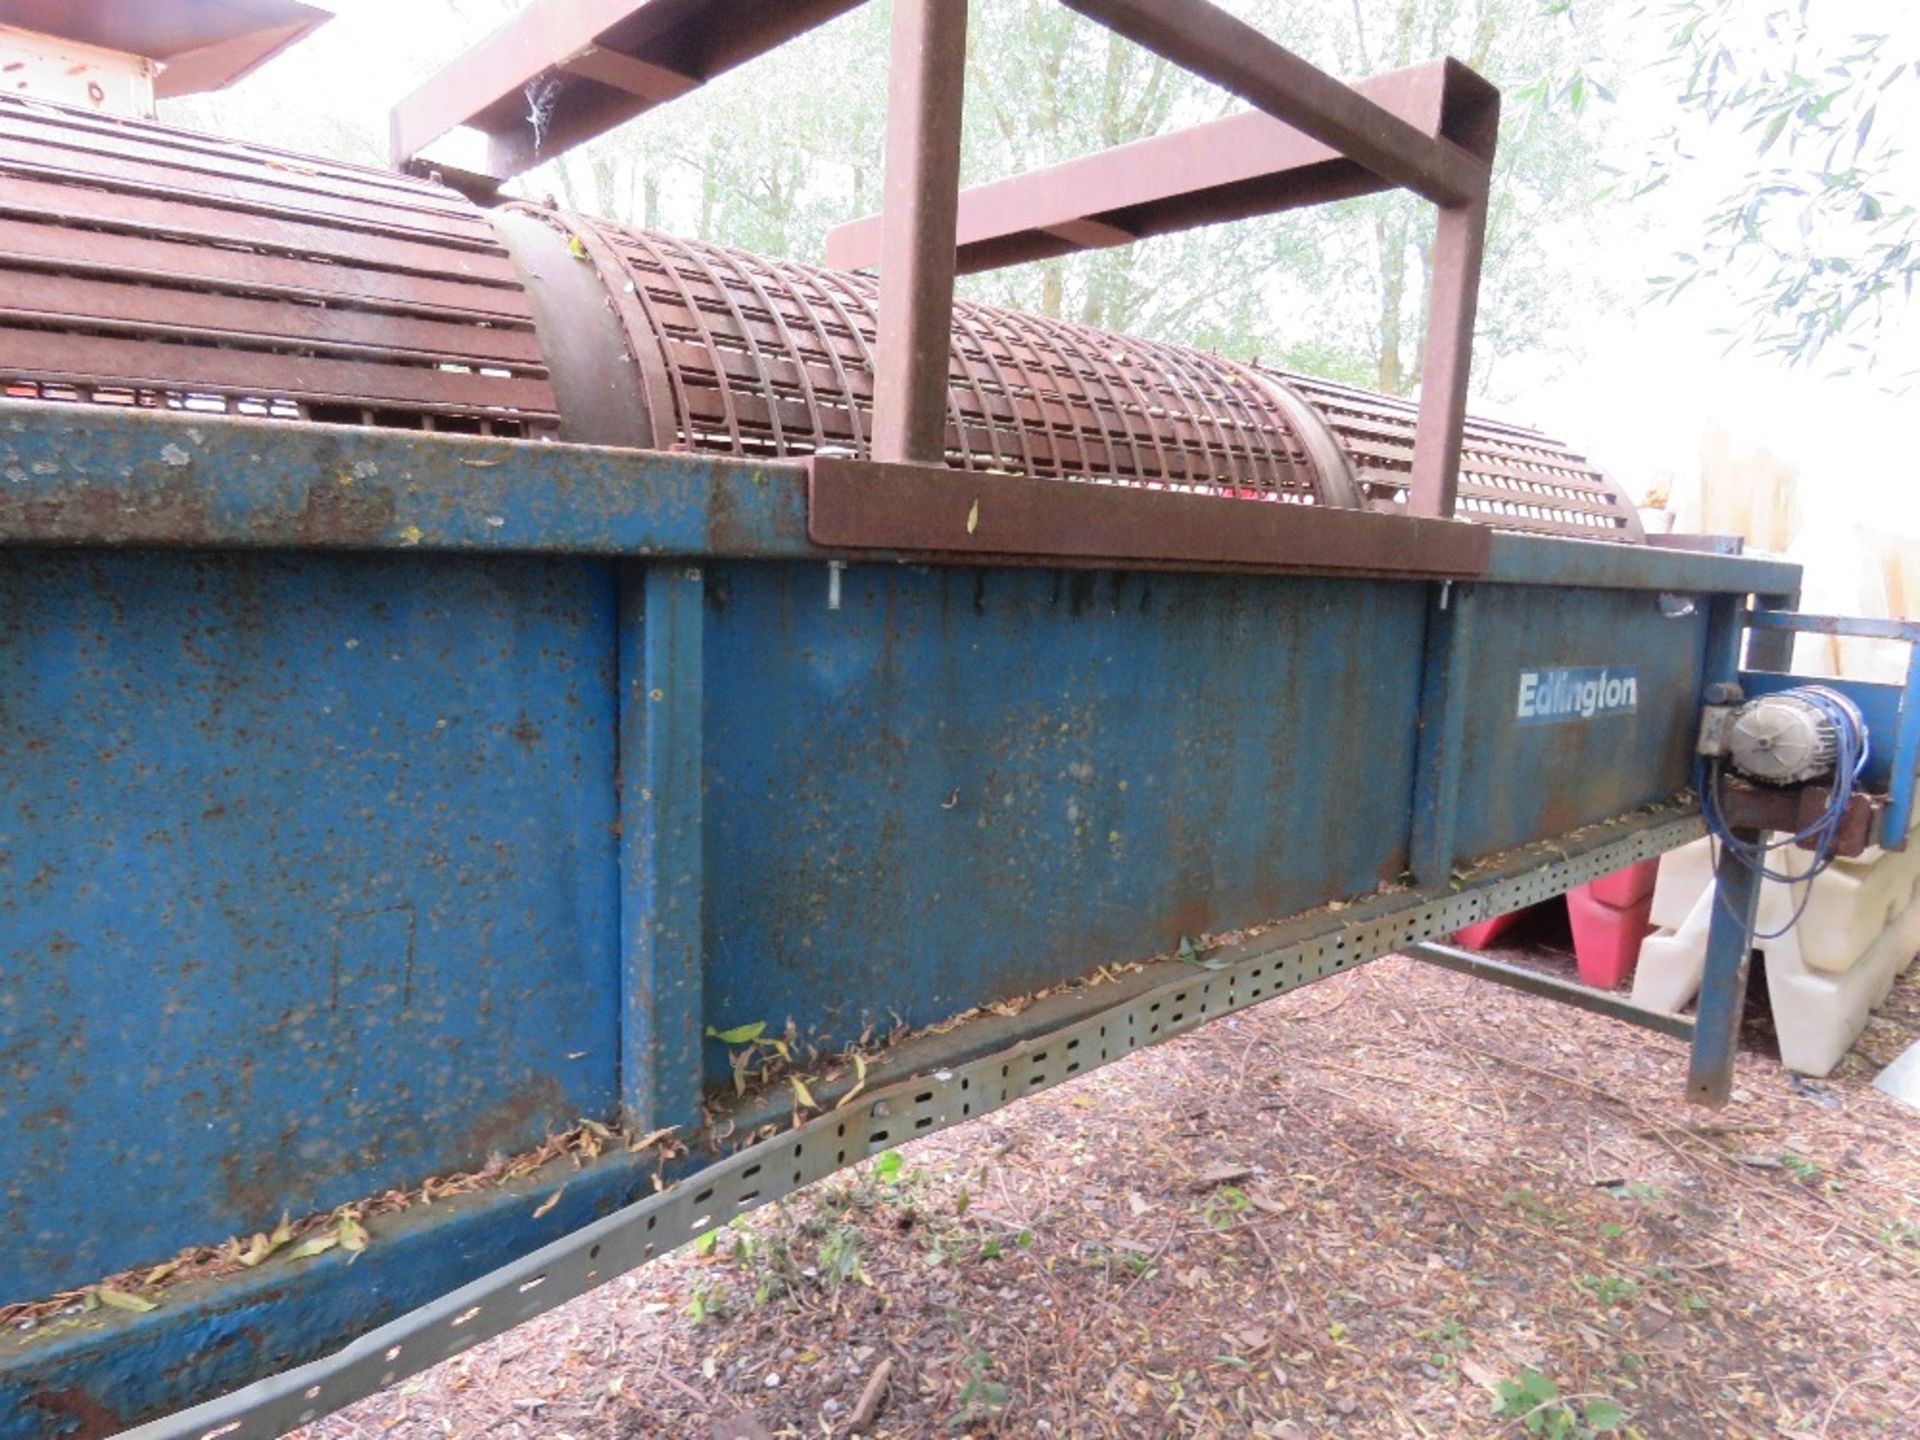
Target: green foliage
[1819,240]
[1609,1290]
[1535,1402]
[1224,1206]
[979,1397]
[1798,1166]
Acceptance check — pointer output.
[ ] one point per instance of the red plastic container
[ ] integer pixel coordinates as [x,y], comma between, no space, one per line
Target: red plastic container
[1479,936]
[1610,917]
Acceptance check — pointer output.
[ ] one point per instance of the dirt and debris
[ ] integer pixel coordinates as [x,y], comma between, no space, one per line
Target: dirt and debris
[144,1287]
[1396,1203]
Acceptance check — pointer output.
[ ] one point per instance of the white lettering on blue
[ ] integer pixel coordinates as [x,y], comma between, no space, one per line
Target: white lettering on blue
[1550,696]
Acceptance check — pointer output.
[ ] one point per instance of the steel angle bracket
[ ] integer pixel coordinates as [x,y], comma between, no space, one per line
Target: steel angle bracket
[1241,976]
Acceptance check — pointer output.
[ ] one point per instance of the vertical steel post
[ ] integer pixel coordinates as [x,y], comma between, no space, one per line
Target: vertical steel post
[662,923]
[920,203]
[1443,701]
[1723,985]
[1898,816]
[1459,239]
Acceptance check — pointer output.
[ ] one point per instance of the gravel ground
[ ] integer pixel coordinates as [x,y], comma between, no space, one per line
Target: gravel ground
[1398,1203]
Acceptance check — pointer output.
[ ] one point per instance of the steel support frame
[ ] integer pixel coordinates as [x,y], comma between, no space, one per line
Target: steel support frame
[1446,662]
[920,199]
[662,910]
[919,240]
[1723,983]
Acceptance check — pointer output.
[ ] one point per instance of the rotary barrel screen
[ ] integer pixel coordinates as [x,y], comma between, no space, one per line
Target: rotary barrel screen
[775,358]
[1511,477]
[146,266]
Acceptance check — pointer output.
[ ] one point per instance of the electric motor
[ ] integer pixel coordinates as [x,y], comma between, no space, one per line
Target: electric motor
[1791,737]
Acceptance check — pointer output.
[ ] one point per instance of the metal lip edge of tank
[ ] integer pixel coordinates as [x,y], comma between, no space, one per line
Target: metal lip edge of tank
[85,475]
[969,517]
[1515,559]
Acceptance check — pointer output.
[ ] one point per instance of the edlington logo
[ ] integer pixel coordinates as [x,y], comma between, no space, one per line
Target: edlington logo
[1576,694]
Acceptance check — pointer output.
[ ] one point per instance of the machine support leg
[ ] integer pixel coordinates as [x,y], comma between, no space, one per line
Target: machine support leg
[1459,238]
[920,204]
[662,930]
[1723,988]
[1443,700]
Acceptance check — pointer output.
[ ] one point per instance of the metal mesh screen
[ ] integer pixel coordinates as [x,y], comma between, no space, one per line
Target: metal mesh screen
[146,266]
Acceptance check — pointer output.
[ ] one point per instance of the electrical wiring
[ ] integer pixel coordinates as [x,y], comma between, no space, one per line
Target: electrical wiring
[1851,750]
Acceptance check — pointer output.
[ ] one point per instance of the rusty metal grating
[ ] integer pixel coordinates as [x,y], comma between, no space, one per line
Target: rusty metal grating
[146,266]
[1511,477]
[765,357]
[748,356]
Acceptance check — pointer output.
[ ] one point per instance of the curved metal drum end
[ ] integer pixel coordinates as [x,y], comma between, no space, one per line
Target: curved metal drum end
[606,366]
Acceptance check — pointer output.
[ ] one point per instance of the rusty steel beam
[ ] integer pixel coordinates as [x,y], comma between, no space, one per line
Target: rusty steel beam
[1230,169]
[927,510]
[563,71]
[1452,299]
[1201,37]
[920,193]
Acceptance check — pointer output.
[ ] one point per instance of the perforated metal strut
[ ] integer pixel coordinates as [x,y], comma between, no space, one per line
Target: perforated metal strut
[878,1121]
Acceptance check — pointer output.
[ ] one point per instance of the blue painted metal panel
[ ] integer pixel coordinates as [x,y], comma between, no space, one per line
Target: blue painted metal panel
[965,784]
[1521,781]
[307,886]
[1451,632]
[662,742]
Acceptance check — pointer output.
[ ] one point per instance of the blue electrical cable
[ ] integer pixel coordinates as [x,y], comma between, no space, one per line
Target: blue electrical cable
[1851,749]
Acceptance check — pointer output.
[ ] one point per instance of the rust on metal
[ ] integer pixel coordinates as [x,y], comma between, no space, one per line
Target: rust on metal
[200,44]
[148,267]
[1511,477]
[1201,37]
[1797,810]
[1459,239]
[912,509]
[925,83]
[776,359]
[563,71]
[1229,169]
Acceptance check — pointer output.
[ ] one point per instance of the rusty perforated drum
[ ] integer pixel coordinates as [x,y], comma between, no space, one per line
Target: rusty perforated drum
[146,266]
[142,265]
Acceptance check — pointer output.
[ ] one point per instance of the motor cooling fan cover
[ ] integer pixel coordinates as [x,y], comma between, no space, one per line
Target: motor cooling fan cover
[1782,740]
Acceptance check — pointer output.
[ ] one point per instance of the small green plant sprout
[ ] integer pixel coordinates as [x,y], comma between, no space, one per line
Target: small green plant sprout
[979,1397]
[1609,1290]
[1448,1339]
[839,1259]
[709,1301]
[1798,1166]
[1225,1206]
[1535,1404]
